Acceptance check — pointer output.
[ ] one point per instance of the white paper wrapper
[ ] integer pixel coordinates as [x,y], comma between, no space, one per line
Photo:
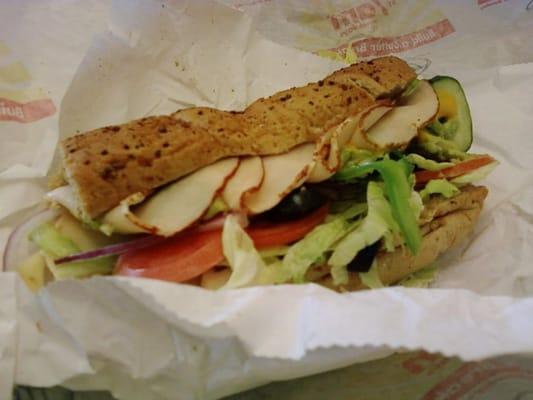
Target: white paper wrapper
[8,332]
[148,339]
[35,70]
[188,343]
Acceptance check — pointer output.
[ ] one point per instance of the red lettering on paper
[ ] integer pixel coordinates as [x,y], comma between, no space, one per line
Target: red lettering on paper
[487,3]
[381,46]
[472,376]
[423,362]
[26,112]
[359,16]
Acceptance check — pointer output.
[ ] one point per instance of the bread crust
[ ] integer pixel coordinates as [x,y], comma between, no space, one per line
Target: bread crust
[108,164]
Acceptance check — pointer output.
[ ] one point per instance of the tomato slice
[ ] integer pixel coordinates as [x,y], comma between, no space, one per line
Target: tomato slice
[452,172]
[272,234]
[176,259]
[190,254]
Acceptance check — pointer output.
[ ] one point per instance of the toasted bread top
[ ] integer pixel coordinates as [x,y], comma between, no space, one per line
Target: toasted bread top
[106,165]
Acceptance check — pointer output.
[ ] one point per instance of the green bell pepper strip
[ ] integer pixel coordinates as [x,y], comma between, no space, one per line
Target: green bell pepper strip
[395,175]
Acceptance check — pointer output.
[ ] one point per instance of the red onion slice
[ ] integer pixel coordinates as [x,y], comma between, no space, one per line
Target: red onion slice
[110,250]
[18,245]
[120,248]
[218,222]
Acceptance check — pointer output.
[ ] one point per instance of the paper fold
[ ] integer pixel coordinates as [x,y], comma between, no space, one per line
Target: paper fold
[9,287]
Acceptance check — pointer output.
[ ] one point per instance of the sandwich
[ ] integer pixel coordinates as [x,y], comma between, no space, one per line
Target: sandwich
[360,180]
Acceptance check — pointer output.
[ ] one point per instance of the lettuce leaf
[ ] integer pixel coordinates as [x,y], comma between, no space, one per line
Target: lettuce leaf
[272,274]
[378,223]
[371,278]
[305,252]
[241,255]
[55,245]
[79,269]
[398,186]
[439,186]
[313,247]
[354,211]
[217,206]
[416,203]
[33,271]
[249,266]
[276,251]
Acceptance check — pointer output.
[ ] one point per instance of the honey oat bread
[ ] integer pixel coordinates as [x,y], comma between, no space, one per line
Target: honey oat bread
[106,165]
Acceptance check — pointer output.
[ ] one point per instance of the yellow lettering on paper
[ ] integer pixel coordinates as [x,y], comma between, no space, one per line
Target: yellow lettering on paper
[14,73]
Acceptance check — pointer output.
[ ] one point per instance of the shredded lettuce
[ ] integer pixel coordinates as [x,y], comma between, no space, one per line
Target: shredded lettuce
[371,278]
[250,267]
[439,186]
[426,163]
[476,175]
[378,223]
[305,252]
[416,203]
[354,211]
[420,279]
[217,206]
[313,247]
[398,186]
[54,245]
[348,210]
[241,255]
[80,269]
[277,251]
[51,241]
[33,271]
[273,273]
[273,255]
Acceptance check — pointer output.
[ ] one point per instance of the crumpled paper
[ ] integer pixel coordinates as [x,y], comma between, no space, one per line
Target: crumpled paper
[148,339]
[8,333]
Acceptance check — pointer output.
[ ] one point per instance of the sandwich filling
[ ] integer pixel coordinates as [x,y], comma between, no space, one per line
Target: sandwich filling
[364,202]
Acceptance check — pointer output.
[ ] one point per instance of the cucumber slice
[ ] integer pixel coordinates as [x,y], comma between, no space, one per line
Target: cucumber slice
[453,121]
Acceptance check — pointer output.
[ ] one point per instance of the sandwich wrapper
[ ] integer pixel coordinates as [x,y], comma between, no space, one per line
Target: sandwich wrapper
[148,339]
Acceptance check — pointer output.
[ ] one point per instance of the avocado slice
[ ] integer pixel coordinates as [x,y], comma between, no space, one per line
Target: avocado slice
[453,121]
[436,148]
